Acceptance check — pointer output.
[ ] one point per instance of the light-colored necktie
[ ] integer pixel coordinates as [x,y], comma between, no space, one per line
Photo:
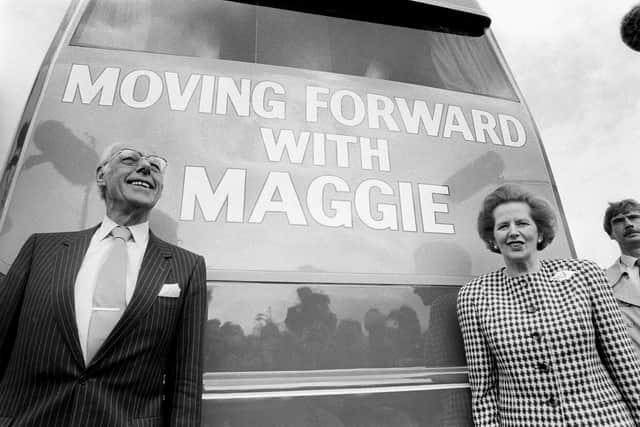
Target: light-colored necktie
[109,295]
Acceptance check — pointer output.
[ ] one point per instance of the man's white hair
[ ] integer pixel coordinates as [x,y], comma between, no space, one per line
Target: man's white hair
[109,151]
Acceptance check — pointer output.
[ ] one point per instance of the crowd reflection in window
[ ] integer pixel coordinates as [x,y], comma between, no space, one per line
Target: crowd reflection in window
[312,336]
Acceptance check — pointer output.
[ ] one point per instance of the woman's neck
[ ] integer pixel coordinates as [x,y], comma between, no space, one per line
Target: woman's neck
[521,267]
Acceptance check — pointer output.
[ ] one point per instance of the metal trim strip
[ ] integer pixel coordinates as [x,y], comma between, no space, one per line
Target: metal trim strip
[264,381]
[378,279]
[331,392]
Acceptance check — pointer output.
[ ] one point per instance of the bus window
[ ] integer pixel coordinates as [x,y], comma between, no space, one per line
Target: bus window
[426,58]
[208,29]
[230,30]
[284,327]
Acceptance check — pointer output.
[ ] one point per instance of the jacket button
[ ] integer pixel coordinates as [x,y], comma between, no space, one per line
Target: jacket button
[553,402]
[543,367]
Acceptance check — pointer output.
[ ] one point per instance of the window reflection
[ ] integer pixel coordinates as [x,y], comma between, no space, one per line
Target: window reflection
[436,408]
[206,29]
[280,327]
[243,32]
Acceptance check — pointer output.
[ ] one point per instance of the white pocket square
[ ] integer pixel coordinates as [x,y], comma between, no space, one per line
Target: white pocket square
[170,290]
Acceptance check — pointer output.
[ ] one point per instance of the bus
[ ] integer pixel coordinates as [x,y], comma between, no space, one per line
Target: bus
[327,158]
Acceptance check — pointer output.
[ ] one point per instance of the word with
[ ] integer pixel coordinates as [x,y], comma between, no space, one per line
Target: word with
[296,148]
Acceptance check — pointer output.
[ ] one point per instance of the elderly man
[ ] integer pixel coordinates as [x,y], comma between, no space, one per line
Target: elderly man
[622,224]
[103,327]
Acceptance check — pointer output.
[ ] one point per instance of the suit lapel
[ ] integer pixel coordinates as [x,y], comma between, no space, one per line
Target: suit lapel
[613,273]
[68,260]
[153,270]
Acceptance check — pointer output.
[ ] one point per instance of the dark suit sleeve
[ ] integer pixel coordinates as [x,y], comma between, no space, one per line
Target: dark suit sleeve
[187,384]
[11,294]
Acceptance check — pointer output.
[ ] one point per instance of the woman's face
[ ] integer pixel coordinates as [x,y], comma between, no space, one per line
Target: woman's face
[515,232]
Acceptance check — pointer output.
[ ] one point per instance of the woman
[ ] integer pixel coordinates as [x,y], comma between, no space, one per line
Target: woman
[544,340]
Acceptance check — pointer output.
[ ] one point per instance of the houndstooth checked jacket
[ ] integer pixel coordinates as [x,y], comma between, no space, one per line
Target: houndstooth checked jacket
[548,349]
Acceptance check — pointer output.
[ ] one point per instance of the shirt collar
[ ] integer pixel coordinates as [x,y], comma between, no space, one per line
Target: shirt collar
[624,264]
[139,232]
[627,260]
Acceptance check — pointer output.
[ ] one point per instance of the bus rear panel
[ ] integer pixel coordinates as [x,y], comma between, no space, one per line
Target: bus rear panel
[329,162]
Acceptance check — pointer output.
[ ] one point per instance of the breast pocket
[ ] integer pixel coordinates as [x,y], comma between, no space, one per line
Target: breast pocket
[163,316]
[168,299]
[167,304]
[630,313]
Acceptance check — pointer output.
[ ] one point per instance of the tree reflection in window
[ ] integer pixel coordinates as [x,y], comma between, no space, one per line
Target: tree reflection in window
[312,335]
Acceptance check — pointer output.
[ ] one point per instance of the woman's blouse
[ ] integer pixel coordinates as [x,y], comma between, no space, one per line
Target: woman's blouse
[548,349]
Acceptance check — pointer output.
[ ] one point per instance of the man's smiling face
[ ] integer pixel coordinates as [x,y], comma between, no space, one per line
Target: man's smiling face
[131,182]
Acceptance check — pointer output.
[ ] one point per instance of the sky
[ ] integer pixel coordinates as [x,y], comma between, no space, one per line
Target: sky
[581,83]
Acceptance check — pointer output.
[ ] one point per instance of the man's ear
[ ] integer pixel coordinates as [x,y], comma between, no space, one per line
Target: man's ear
[100,175]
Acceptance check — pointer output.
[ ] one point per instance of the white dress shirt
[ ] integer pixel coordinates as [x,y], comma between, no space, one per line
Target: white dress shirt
[93,259]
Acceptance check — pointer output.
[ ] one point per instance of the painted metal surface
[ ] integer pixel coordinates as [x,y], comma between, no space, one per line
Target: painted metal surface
[379,178]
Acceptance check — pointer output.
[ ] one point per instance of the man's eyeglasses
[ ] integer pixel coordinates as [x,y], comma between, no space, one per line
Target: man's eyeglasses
[130,157]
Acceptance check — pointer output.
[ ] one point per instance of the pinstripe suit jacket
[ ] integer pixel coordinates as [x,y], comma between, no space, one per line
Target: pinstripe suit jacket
[147,373]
